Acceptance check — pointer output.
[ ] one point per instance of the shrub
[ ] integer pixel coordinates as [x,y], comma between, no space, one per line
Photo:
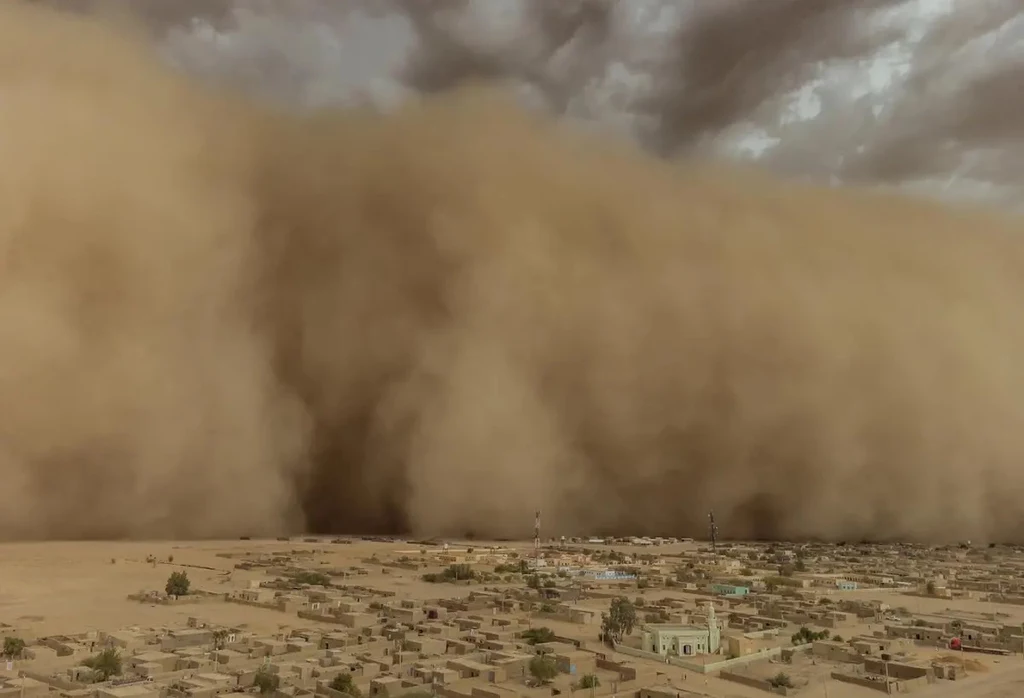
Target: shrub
[312,578]
[266,681]
[536,636]
[343,683]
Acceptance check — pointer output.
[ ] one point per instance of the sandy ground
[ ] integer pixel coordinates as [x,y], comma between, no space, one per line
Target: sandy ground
[57,588]
[63,588]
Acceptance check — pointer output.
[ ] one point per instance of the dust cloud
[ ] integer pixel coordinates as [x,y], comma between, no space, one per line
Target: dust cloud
[219,318]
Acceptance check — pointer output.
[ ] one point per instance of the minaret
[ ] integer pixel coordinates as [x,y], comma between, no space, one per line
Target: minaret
[714,634]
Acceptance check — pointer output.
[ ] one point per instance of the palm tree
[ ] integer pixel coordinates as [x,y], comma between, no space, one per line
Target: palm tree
[105,664]
[219,638]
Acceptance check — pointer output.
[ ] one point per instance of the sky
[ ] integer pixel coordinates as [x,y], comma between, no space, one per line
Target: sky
[914,93]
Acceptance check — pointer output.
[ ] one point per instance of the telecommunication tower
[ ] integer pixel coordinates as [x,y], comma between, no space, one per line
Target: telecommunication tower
[713,528]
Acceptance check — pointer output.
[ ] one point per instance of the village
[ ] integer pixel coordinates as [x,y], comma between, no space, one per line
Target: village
[636,618]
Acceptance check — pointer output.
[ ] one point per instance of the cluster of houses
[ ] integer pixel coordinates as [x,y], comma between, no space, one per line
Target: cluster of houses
[747,614]
[458,649]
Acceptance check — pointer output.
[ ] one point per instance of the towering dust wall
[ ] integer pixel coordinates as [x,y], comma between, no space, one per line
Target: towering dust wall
[219,320]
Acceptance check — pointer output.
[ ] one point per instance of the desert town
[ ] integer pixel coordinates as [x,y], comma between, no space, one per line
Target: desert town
[631,618]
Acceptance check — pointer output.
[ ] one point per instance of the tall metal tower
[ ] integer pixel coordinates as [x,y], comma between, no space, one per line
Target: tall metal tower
[536,536]
[713,527]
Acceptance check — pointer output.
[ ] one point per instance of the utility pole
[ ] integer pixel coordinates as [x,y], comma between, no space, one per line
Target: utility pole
[963,662]
[536,538]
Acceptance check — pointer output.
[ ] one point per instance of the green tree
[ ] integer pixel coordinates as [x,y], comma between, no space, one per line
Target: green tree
[312,578]
[533,581]
[105,664]
[536,636]
[13,647]
[178,584]
[266,681]
[549,584]
[930,588]
[543,668]
[588,681]
[620,619]
[781,680]
[343,683]
[805,635]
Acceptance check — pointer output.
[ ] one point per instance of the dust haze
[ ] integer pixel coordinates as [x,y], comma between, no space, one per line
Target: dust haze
[219,317]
